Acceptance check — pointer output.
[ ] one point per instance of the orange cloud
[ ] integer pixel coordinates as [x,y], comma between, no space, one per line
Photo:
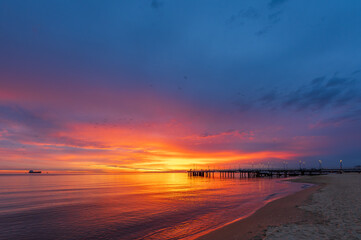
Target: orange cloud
[139,132]
[122,149]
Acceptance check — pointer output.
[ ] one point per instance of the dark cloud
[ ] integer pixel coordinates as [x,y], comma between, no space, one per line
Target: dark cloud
[356,72]
[335,81]
[269,97]
[351,116]
[22,125]
[272,19]
[251,14]
[318,94]
[275,17]
[18,115]
[242,106]
[314,98]
[318,80]
[263,31]
[243,15]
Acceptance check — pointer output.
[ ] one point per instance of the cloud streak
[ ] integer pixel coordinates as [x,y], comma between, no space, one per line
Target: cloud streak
[319,94]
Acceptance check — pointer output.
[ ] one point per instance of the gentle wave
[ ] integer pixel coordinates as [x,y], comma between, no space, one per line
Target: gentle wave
[128,206]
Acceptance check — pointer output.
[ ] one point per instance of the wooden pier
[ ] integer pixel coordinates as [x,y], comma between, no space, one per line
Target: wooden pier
[253,173]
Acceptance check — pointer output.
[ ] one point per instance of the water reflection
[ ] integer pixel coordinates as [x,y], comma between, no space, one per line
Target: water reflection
[127,206]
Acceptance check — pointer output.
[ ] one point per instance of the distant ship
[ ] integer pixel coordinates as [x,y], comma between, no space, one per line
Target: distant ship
[34,171]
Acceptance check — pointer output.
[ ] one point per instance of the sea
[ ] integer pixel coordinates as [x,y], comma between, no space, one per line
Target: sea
[129,206]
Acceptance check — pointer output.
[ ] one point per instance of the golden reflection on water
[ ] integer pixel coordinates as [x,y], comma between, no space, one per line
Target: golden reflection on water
[127,206]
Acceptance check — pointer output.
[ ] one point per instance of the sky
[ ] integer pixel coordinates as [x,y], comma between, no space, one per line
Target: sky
[154,85]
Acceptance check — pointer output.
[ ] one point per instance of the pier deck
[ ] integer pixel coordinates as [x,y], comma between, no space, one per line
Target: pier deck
[251,173]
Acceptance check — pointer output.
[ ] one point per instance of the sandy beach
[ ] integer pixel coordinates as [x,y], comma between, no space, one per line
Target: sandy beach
[329,210]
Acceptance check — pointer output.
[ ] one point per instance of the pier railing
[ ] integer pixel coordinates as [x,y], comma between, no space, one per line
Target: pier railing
[251,173]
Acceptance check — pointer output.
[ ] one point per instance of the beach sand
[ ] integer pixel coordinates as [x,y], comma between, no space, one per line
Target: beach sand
[329,210]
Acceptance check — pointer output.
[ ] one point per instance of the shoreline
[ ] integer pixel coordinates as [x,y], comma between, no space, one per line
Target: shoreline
[275,213]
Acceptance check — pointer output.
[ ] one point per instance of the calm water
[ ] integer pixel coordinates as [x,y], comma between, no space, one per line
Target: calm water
[127,206]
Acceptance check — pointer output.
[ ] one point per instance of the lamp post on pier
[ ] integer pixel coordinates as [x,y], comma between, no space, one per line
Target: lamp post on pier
[340,164]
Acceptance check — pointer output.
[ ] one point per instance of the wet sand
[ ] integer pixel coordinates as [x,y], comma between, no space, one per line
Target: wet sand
[329,210]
